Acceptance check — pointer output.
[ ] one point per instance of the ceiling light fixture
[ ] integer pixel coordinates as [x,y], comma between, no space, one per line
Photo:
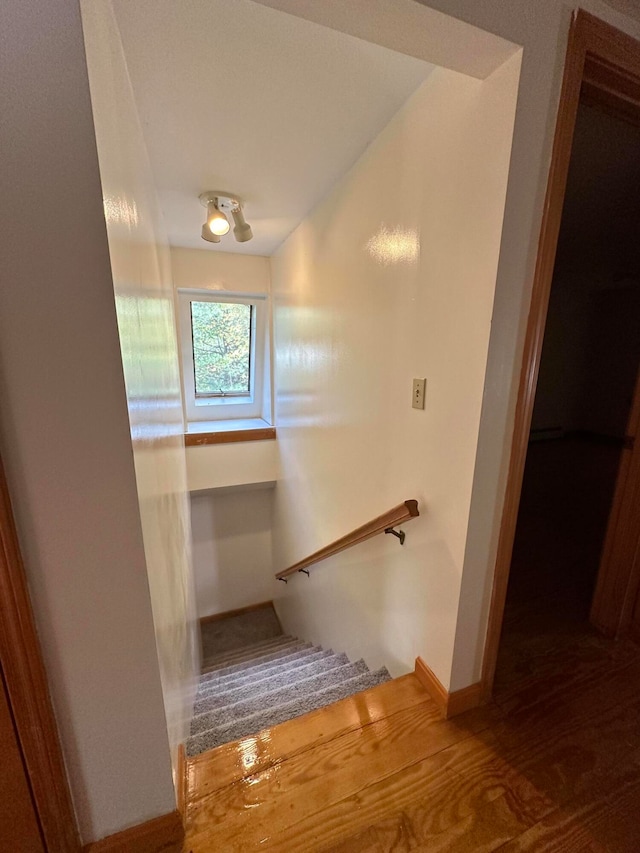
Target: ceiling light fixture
[219,205]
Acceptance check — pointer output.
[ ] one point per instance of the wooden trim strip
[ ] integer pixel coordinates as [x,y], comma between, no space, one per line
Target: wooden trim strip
[28,691]
[399,514]
[216,617]
[199,439]
[432,685]
[163,834]
[450,704]
[182,782]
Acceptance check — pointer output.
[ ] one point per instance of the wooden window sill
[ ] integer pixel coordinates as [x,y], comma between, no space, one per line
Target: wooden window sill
[198,439]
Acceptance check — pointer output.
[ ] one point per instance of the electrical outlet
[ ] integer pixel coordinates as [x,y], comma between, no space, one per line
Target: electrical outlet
[419,392]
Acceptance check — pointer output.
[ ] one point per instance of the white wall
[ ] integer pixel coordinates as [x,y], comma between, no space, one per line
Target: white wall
[64,431]
[212,269]
[218,466]
[142,280]
[391,277]
[232,549]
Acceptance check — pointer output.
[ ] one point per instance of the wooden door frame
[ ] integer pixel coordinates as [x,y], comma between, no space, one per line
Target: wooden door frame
[28,692]
[602,63]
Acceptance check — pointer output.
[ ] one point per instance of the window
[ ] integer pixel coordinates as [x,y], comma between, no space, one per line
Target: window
[223,348]
[221,333]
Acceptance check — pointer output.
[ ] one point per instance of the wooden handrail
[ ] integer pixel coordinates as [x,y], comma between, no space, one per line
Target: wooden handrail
[403,512]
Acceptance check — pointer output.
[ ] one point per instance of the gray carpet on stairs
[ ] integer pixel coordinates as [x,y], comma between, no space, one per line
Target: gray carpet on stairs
[285,655]
[236,631]
[255,678]
[254,652]
[240,692]
[208,688]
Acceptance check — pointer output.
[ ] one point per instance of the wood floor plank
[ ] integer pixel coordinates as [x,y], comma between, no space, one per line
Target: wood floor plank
[220,767]
[562,671]
[299,788]
[362,842]
[435,796]
[601,824]
[395,834]
[547,768]
[443,797]
[485,829]
[392,834]
[304,769]
[572,708]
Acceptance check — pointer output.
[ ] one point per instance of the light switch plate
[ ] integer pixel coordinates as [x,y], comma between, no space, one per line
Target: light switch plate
[419,391]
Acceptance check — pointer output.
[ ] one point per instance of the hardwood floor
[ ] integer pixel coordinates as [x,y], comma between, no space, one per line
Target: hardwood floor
[552,765]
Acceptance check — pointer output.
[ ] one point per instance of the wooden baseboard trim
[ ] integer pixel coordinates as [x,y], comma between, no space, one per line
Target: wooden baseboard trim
[432,685]
[464,700]
[249,609]
[161,835]
[450,704]
[182,782]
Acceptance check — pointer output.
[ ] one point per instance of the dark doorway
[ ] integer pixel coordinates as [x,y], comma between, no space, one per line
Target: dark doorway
[588,369]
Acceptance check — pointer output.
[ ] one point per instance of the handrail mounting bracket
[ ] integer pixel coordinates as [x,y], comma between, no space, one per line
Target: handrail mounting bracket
[400,534]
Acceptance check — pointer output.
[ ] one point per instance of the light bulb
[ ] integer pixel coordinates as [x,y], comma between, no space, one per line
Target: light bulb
[216,220]
[208,236]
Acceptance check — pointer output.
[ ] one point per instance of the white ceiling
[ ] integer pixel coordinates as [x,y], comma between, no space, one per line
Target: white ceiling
[236,96]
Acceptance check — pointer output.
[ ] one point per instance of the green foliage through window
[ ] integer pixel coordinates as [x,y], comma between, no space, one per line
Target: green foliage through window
[221,347]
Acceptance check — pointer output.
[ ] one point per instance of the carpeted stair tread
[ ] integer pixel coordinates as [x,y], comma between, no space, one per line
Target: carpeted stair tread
[290,652]
[284,695]
[267,717]
[256,658]
[287,675]
[239,655]
[241,679]
[216,657]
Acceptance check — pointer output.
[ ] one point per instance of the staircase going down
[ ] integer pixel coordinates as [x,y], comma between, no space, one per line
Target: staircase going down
[255,677]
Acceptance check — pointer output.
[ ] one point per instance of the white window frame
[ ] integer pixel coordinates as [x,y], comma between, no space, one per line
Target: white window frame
[222,408]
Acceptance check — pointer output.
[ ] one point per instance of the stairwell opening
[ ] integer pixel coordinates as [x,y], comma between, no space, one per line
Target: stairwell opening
[373,163]
[254,676]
